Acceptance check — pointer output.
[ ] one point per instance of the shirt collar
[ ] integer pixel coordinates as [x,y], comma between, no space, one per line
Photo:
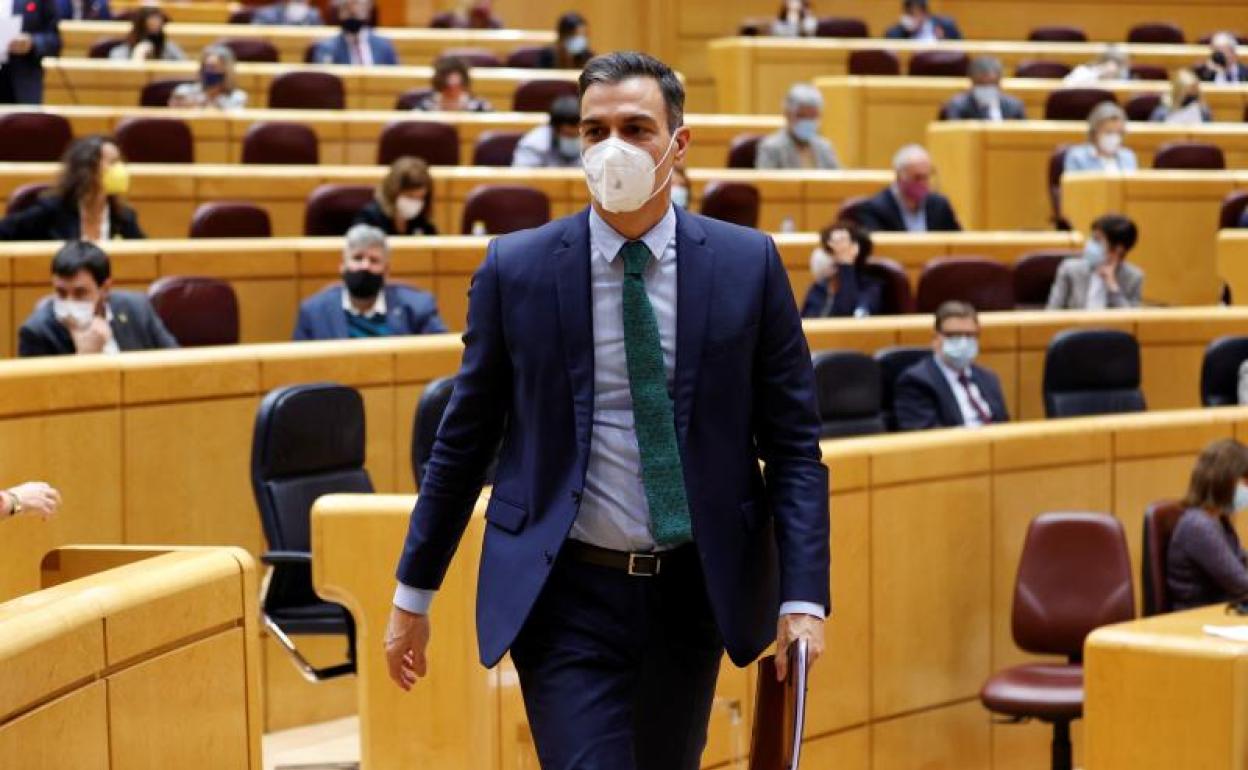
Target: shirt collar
[378,308]
[607,242]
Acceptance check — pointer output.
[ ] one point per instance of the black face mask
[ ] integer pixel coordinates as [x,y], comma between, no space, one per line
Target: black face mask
[351,25]
[363,284]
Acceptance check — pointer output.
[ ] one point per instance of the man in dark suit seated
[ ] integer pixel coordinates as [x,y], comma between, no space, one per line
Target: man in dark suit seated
[364,306]
[87,315]
[1223,65]
[918,23]
[948,390]
[985,100]
[358,44]
[908,204]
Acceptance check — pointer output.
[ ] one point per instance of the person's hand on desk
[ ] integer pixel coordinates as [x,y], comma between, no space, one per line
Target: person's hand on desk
[407,636]
[21,45]
[790,629]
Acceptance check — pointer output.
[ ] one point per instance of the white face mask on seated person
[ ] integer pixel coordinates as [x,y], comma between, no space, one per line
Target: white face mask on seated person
[621,175]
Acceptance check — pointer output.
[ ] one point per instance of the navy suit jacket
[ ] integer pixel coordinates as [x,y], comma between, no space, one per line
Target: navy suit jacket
[923,399]
[408,311]
[947,27]
[334,50]
[92,10]
[743,391]
[22,76]
[880,212]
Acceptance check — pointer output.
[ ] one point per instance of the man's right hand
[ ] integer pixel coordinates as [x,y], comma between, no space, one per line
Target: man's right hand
[407,636]
[90,338]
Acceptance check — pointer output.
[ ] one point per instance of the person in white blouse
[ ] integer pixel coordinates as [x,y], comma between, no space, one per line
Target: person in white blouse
[215,88]
[1104,151]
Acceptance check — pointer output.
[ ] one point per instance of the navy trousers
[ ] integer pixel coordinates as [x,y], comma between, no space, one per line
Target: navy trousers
[617,671]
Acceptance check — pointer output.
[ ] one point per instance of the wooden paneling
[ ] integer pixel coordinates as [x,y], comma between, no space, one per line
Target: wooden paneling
[71,731]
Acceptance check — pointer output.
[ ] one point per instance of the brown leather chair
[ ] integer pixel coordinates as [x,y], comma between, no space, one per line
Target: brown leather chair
[230,219]
[332,207]
[495,148]
[1233,207]
[473,57]
[1160,519]
[1073,577]
[1034,273]
[528,57]
[251,49]
[1155,32]
[436,143]
[984,283]
[241,16]
[155,140]
[1057,166]
[504,208]
[410,98]
[874,62]
[897,299]
[1148,72]
[196,311]
[1075,103]
[537,95]
[101,48]
[307,91]
[1038,68]
[735,202]
[947,64]
[25,196]
[157,92]
[1057,34]
[281,143]
[1139,108]
[841,26]
[743,152]
[1189,155]
[33,137]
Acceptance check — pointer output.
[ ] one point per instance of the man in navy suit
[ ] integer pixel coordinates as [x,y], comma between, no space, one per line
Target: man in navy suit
[909,204]
[631,537]
[948,390]
[84,10]
[357,44]
[364,306]
[21,76]
[918,23]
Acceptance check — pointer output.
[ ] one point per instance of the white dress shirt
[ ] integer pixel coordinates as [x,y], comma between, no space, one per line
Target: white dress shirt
[970,417]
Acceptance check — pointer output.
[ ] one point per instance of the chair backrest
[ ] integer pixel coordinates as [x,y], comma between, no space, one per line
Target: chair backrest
[1148,72]
[537,95]
[892,362]
[528,57]
[281,142]
[429,410]
[1092,371]
[1057,166]
[332,207]
[230,219]
[841,26]
[25,196]
[1038,68]
[736,202]
[156,93]
[847,389]
[949,64]
[155,140]
[1034,273]
[101,48]
[307,91]
[985,283]
[197,311]
[252,49]
[1219,371]
[1074,576]
[435,143]
[1155,32]
[495,148]
[1075,103]
[1189,155]
[1139,107]
[897,298]
[241,16]
[874,62]
[851,207]
[33,137]
[1160,519]
[411,97]
[473,57]
[1057,34]
[743,151]
[504,208]
[1233,207]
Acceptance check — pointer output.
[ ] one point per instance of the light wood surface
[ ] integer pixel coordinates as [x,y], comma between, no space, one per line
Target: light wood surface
[1232,262]
[197,12]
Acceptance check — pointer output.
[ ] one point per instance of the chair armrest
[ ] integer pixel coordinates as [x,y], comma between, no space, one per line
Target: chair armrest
[274,558]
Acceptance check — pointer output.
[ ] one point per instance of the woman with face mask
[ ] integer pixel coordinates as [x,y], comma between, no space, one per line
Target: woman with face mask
[85,204]
[1107,124]
[215,88]
[571,48]
[843,287]
[1183,105]
[403,203]
[147,40]
[452,89]
[1205,563]
[795,19]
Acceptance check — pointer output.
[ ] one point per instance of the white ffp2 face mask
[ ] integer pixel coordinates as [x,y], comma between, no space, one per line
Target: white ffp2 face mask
[77,313]
[620,175]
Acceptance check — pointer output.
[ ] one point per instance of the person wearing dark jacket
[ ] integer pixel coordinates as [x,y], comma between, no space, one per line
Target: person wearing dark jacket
[86,202]
[1205,563]
[84,10]
[947,389]
[86,315]
[571,48]
[985,100]
[843,287]
[918,23]
[21,72]
[364,306]
[403,202]
[909,205]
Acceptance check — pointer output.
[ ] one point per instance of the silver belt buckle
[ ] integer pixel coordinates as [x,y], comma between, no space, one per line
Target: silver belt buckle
[643,564]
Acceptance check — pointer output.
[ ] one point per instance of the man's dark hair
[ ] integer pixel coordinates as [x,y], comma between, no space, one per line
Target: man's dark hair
[76,256]
[914,5]
[612,68]
[1118,231]
[954,309]
[569,23]
[565,111]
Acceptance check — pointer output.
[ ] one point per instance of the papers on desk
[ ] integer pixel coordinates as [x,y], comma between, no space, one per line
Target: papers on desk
[1234,633]
[10,27]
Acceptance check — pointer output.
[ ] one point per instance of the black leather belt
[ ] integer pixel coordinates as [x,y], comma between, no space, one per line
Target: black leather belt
[635,564]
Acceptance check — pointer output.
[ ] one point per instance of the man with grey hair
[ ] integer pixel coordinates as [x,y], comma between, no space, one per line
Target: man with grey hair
[363,305]
[985,100]
[357,44]
[1112,64]
[908,204]
[798,145]
[1223,64]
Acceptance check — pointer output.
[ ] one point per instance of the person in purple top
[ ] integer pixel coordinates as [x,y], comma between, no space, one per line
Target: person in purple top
[1205,563]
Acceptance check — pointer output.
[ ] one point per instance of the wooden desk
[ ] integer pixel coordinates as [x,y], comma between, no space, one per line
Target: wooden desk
[1161,694]
[197,12]
[1232,262]
[1177,214]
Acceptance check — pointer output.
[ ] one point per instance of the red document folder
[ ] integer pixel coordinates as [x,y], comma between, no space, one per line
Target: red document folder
[779,713]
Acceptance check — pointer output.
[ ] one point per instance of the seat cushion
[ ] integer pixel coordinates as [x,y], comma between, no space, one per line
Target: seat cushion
[1047,691]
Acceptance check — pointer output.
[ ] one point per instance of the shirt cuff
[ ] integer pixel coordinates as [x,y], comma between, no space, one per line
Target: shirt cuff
[788,608]
[414,600]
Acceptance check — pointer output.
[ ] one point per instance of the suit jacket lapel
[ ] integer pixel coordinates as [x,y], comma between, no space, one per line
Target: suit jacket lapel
[125,332]
[338,318]
[570,264]
[894,207]
[952,413]
[695,271]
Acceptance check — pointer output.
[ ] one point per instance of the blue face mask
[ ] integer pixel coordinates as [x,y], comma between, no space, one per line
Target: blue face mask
[805,130]
[570,146]
[576,45]
[1240,502]
[959,350]
[1093,253]
[211,79]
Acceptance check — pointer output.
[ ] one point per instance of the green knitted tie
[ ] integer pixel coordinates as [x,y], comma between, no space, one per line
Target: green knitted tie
[661,473]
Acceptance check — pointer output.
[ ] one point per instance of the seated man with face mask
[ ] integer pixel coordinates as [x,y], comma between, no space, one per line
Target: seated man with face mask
[358,45]
[364,306]
[985,100]
[556,144]
[87,315]
[290,13]
[1100,278]
[948,390]
[798,145]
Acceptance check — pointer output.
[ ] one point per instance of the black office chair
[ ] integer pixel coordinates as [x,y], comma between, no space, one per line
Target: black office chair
[1219,372]
[847,387]
[1092,371]
[893,361]
[429,409]
[308,442]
